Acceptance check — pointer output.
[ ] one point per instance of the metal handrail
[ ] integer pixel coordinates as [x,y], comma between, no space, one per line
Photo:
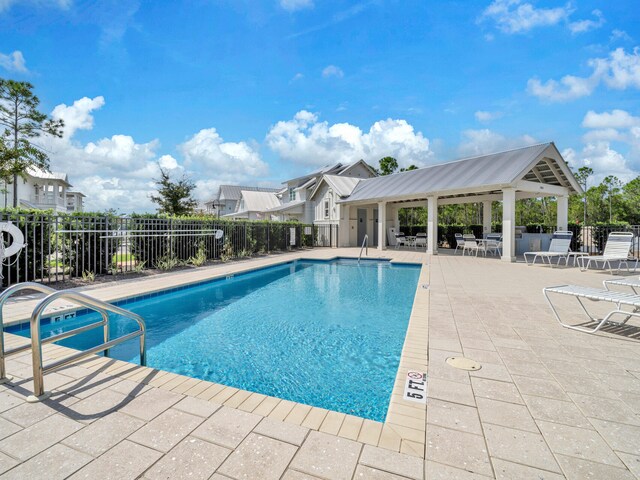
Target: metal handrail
[3,299]
[103,308]
[365,243]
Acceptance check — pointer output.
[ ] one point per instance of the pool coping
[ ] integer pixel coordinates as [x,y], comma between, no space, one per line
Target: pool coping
[404,429]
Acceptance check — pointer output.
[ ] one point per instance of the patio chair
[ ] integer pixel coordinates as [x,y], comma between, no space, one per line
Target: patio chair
[558,248]
[493,244]
[401,240]
[421,240]
[459,242]
[615,250]
[619,299]
[470,244]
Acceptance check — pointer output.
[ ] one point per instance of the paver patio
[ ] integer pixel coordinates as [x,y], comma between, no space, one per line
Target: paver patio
[547,403]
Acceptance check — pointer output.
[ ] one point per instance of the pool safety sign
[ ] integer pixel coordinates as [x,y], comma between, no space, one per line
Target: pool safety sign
[415,387]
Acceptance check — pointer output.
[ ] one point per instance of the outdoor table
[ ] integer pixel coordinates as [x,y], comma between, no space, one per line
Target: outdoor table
[575,256]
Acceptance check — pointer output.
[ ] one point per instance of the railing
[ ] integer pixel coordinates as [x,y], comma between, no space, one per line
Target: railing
[365,244]
[39,369]
[3,299]
[63,246]
[586,238]
[47,199]
[89,302]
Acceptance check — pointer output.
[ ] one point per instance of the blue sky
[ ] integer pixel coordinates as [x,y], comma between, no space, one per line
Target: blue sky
[256,92]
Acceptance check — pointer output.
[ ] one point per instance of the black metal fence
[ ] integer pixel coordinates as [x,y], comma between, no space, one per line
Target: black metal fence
[59,247]
[589,238]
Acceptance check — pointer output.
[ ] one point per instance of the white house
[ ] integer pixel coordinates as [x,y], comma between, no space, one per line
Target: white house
[253,205]
[44,191]
[295,197]
[228,198]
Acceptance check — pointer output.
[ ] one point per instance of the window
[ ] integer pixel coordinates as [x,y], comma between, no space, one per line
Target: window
[326,208]
[292,194]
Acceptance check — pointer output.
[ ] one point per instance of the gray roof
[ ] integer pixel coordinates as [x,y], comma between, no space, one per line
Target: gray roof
[343,186]
[255,201]
[470,174]
[44,175]
[316,173]
[234,192]
[286,206]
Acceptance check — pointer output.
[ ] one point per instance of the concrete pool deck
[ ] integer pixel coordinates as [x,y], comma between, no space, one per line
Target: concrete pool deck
[547,403]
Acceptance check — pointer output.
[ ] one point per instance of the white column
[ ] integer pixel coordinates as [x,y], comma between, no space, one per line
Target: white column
[432,225]
[344,225]
[396,218]
[509,225]
[563,212]
[486,217]
[382,225]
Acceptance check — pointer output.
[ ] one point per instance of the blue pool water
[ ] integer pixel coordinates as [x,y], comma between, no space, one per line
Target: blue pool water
[327,334]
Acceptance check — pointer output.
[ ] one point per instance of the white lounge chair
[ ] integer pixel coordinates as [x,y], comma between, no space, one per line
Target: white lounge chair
[421,240]
[558,248]
[619,299]
[633,283]
[459,242]
[470,244]
[615,250]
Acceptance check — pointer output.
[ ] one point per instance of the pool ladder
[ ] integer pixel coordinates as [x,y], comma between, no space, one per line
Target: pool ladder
[365,244]
[103,308]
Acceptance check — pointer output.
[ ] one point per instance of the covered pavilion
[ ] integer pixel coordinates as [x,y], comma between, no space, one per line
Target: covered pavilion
[529,172]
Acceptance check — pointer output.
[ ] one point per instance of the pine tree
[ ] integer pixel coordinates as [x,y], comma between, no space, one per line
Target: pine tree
[22,123]
[174,197]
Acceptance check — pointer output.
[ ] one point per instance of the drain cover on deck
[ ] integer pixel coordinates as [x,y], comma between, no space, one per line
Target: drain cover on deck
[463,363]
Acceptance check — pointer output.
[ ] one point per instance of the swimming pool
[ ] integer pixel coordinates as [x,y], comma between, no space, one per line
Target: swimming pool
[322,333]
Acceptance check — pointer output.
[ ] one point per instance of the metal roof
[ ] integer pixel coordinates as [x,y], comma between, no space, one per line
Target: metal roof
[287,206]
[471,174]
[39,173]
[325,169]
[343,186]
[233,192]
[259,201]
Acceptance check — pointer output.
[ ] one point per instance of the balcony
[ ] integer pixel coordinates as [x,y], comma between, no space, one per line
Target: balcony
[48,200]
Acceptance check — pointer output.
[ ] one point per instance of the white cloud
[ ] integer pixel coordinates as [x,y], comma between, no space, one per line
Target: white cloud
[230,161]
[620,70]
[296,77]
[614,119]
[619,127]
[582,26]
[332,71]
[13,62]
[624,69]
[118,172]
[480,142]
[168,162]
[293,5]
[513,16]
[619,35]
[603,159]
[306,140]
[77,116]
[485,116]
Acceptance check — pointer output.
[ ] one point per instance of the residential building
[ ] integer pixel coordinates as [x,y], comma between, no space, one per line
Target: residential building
[295,200]
[228,198]
[253,205]
[42,190]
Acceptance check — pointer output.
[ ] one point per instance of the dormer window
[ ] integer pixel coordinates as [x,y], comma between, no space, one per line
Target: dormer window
[292,194]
